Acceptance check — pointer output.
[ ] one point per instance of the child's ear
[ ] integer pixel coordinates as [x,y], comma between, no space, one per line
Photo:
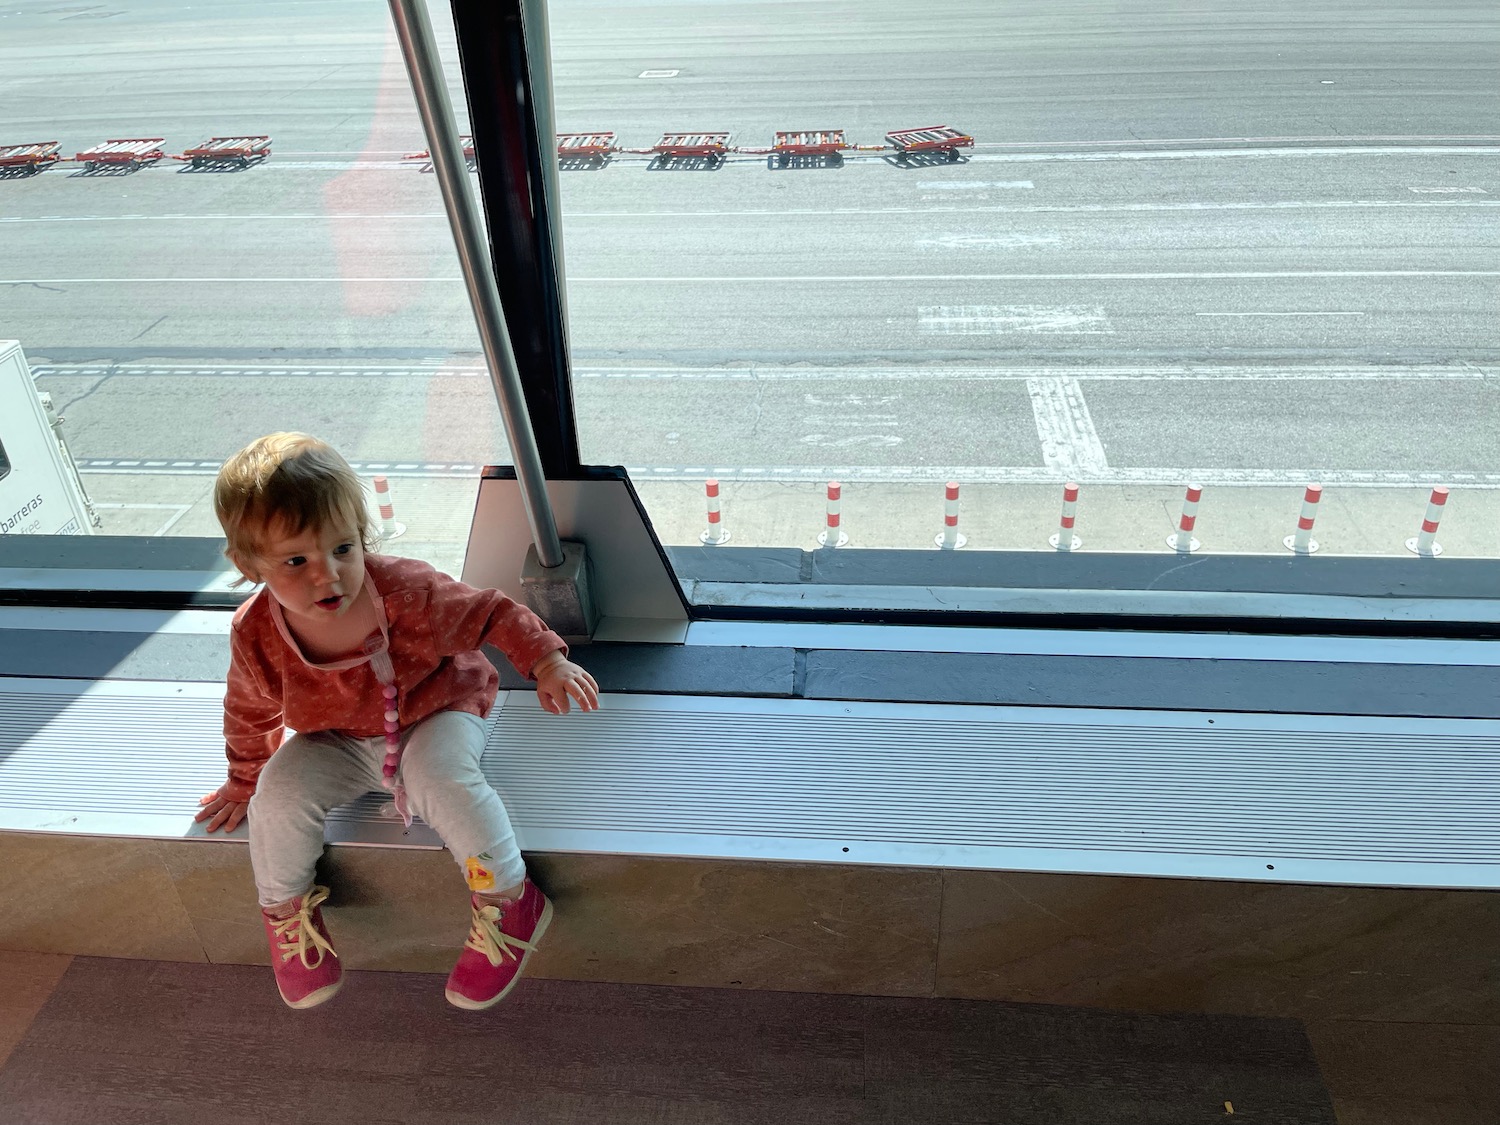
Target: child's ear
[245,566]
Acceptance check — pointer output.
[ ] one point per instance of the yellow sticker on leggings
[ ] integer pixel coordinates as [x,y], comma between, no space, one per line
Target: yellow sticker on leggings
[480,877]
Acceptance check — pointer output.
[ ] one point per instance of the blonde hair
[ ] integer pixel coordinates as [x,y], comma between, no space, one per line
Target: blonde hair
[290,481]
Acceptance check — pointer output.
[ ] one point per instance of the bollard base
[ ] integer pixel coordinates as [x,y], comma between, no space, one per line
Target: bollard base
[708,539]
[1431,552]
[1055,540]
[1181,543]
[562,596]
[940,541]
[396,531]
[1290,543]
[841,540]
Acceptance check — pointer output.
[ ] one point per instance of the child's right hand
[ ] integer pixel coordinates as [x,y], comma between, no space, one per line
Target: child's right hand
[226,814]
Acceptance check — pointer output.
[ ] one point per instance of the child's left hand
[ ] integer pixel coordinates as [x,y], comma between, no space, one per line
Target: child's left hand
[559,681]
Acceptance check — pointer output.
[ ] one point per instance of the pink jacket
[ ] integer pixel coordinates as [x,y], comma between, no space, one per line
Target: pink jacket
[434,625]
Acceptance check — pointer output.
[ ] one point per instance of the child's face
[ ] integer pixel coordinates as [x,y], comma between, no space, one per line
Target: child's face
[315,575]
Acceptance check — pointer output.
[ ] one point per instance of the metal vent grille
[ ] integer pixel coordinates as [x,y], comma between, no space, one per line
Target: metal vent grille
[1300,798]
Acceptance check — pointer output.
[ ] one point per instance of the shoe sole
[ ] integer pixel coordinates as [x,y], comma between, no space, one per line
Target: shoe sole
[459,1000]
[313,999]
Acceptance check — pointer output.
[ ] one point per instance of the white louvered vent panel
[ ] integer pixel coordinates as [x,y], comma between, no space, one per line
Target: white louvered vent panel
[1008,778]
[662,775]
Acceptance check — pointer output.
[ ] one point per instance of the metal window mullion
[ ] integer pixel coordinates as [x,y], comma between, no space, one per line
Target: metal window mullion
[419,49]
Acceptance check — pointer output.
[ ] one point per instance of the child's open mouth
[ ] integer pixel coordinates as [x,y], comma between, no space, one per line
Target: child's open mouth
[330,603]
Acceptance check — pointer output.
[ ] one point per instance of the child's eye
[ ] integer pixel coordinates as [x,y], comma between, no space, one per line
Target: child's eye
[295,560]
[343,548]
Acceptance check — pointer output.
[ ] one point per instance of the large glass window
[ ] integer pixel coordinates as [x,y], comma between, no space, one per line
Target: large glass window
[295,271]
[1247,249]
[1191,260]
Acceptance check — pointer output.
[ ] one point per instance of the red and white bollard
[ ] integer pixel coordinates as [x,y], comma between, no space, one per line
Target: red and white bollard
[1182,539]
[1301,541]
[950,538]
[1425,542]
[832,535]
[716,532]
[389,528]
[1064,539]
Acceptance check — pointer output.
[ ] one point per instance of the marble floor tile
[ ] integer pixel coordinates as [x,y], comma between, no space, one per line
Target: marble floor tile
[798,927]
[93,896]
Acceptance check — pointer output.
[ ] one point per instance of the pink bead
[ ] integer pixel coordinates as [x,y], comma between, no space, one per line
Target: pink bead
[391,716]
[389,781]
[389,691]
[391,727]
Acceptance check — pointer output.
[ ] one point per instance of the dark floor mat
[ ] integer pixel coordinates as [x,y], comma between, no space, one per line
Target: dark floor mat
[159,1043]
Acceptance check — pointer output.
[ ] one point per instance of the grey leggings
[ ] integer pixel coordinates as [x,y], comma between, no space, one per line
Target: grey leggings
[314,773]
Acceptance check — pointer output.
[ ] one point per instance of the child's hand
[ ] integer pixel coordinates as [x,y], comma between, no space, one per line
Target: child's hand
[558,678]
[226,814]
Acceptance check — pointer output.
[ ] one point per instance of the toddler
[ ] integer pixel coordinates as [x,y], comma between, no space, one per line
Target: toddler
[374,661]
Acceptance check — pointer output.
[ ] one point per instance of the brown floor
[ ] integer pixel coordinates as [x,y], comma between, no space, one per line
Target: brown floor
[87,1040]
[149,1041]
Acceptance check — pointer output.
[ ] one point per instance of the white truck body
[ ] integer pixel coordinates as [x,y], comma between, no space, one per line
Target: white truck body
[40,492]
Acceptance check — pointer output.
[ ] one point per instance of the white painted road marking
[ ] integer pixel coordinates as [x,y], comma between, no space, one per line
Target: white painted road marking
[975,185]
[1004,320]
[899,474]
[1213,153]
[1006,241]
[1279,314]
[570,214]
[1070,443]
[1042,209]
[944,372]
[784,279]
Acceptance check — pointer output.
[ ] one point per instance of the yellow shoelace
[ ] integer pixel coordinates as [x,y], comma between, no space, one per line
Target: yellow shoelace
[297,936]
[486,937]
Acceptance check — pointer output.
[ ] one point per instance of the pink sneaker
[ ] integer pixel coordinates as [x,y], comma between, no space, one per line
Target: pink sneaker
[307,969]
[501,938]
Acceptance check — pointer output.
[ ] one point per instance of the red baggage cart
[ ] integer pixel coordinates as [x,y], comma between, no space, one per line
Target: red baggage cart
[133,152]
[943,139]
[30,157]
[242,151]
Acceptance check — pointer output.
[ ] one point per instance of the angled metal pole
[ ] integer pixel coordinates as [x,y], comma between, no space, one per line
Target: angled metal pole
[418,47]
